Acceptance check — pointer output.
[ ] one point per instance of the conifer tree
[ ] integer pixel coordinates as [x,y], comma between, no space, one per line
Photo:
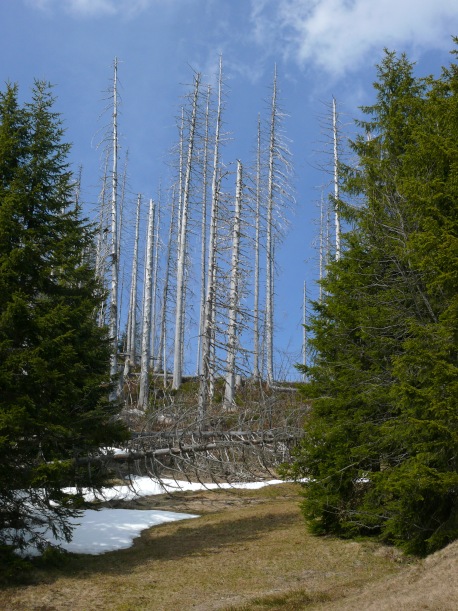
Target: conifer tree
[54,359]
[381,443]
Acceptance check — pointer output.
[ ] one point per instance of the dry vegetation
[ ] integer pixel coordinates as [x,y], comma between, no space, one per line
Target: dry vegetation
[249,550]
[243,442]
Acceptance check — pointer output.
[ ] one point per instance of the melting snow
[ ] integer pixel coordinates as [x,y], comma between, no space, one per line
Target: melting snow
[97,532]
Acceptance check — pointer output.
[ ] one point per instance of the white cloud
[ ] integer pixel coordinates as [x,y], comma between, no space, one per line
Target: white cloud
[89,8]
[338,36]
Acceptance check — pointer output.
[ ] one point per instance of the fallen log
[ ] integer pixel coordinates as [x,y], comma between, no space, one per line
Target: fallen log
[181,449]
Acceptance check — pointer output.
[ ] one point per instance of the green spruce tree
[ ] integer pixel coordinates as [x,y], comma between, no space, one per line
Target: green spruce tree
[54,360]
[381,444]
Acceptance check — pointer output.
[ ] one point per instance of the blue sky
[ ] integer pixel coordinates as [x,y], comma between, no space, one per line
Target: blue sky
[322,48]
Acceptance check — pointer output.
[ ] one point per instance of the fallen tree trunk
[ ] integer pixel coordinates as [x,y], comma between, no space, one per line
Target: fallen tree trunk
[180,449]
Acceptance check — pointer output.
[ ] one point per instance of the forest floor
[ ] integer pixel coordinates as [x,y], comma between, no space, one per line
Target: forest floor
[249,551]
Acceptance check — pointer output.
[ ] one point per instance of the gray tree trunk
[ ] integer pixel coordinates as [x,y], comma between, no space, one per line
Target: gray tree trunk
[304,330]
[182,243]
[160,363]
[131,347]
[146,324]
[203,232]
[207,366]
[257,246]
[322,246]
[269,236]
[155,282]
[113,318]
[335,133]
[229,394]
[101,242]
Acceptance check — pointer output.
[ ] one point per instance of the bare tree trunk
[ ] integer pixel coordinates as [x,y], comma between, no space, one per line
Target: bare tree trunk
[212,354]
[203,232]
[121,204]
[209,322]
[121,272]
[101,243]
[77,190]
[146,325]
[178,345]
[119,239]
[161,361]
[164,357]
[180,220]
[327,239]
[155,281]
[269,236]
[131,348]
[322,246]
[336,176]
[113,321]
[304,330]
[256,346]
[229,394]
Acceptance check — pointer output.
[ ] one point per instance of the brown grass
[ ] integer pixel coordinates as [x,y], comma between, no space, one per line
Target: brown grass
[249,550]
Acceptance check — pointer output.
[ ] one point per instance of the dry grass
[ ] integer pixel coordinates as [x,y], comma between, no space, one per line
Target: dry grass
[430,585]
[248,551]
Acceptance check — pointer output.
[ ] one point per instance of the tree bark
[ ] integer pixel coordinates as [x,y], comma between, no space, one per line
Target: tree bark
[146,326]
[229,395]
[257,245]
[131,348]
[336,176]
[206,368]
[269,236]
[203,231]
[182,243]
[113,321]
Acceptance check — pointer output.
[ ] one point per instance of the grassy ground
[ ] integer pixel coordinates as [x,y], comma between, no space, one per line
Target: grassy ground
[249,550]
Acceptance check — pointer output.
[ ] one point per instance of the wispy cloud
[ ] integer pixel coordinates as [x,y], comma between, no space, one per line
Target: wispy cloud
[91,8]
[338,36]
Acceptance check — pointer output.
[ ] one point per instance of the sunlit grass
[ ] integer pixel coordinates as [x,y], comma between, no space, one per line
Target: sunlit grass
[248,550]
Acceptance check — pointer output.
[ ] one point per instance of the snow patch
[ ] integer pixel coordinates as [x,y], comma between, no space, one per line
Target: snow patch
[106,530]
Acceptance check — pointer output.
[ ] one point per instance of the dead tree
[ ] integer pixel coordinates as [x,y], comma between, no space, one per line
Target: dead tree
[229,394]
[278,190]
[335,133]
[182,242]
[131,339]
[203,232]
[207,363]
[113,318]
[102,246]
[334,154]
[304,329]
[147,309]
[161,362]
[257,246]
[154,296]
